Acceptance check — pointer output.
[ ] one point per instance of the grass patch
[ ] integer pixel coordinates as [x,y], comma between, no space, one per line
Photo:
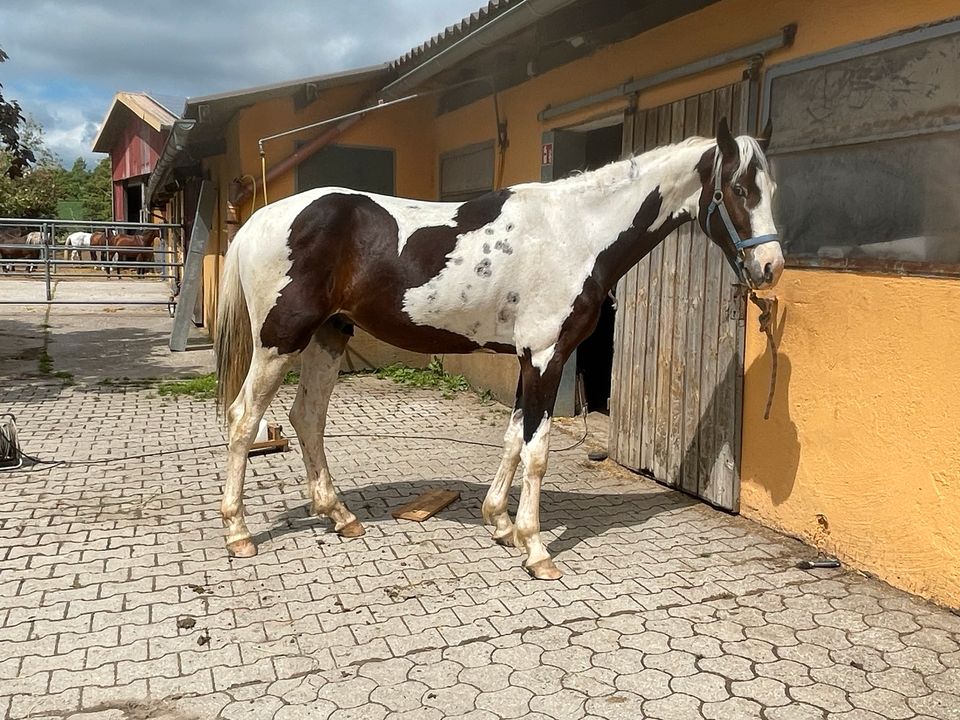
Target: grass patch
[203,387]
[430,377]
[67,377]
[45,362]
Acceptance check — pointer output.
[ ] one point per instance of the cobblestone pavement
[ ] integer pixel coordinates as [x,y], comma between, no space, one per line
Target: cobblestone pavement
[117,600]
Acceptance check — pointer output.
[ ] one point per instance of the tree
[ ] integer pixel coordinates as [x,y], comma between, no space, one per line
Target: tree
[31,194]
[75,180]
[97,195]
[20,156]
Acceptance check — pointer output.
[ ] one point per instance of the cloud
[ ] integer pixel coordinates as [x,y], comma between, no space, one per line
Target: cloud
[67,59]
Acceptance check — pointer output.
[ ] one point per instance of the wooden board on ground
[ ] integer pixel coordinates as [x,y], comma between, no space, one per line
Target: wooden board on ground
[275,442]
[426,505]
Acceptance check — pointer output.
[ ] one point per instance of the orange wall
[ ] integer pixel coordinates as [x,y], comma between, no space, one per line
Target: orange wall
[399,127]
[861,455]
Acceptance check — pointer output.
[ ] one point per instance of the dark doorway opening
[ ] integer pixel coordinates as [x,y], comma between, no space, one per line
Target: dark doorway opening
[134,202]
[584,148]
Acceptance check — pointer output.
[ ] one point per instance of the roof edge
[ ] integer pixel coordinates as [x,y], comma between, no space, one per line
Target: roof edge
[330,80]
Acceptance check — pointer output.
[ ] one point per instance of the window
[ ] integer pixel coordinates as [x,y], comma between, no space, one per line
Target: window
[866,151]
[357,168]
[466,172]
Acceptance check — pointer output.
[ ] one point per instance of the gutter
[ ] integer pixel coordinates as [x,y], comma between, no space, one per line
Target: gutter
[175,144]
[511,21]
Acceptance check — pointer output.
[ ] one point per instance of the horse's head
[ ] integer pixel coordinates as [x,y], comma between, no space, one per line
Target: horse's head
[736,206]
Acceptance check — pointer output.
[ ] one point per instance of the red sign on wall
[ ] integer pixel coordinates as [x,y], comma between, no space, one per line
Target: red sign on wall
[546,154]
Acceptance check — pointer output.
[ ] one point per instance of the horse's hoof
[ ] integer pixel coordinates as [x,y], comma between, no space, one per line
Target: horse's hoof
[242,548]
[544,570]
[505,540]
[351,530]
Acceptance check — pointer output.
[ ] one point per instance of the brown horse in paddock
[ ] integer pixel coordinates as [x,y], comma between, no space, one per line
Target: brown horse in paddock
[99,240]
[30,250]
[133,248]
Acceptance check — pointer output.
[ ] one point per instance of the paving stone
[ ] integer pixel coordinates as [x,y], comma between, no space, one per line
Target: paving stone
[454,700]
[675,707]
[617,706]
[595,682]
[647,684]
[797,711]
[763,690]
[400,697]
[705,686]
[733,709]
[488,678]
[541,680]
[881,700]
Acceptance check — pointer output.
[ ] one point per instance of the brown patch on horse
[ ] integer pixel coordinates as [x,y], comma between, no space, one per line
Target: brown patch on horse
[327,242]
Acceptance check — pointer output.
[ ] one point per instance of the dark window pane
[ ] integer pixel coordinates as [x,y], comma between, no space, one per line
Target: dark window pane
[895,199]
[367,169]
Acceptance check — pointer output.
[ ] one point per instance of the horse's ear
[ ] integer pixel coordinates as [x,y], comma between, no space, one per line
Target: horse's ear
[725,141]
[763,139]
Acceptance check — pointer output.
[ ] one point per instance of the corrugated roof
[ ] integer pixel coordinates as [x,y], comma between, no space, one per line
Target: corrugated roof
[142,105]
[452,34]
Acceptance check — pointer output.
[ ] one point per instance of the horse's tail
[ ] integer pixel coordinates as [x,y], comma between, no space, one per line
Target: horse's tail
[233,338]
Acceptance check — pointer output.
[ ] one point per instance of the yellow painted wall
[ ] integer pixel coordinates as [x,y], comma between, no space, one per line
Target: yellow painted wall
[861,455]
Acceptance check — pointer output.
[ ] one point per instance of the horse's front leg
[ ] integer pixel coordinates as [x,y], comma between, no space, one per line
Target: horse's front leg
[495,504]
[539,395]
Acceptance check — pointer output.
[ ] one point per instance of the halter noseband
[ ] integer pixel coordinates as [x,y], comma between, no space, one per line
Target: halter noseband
[717,204]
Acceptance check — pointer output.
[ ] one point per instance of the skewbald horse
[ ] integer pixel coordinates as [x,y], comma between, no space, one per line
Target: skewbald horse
[521,270]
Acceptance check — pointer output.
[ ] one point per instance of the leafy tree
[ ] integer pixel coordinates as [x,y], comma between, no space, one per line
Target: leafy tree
[75,180]
[32,194]
[20,157]
[97,194]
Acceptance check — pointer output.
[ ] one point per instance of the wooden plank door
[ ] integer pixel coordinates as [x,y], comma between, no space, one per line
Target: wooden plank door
[678,338]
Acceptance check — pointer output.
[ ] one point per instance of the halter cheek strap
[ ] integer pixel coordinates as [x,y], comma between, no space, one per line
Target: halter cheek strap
[717,205]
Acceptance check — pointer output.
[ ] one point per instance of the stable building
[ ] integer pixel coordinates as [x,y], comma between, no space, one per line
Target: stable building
[860,455]
[133,133]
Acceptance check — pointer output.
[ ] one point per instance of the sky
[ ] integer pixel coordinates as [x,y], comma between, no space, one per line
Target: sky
[69,57]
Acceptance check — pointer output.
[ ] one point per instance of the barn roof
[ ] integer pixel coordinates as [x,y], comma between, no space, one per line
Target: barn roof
[200,130]
[451,34]
[147,108]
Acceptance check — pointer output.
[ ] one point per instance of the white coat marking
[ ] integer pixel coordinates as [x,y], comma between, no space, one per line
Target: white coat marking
[543,246]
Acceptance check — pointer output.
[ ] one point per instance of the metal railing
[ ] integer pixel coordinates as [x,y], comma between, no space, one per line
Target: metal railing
[48,252]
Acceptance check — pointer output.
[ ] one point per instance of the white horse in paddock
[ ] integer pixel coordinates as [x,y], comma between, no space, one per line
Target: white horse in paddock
[76,242]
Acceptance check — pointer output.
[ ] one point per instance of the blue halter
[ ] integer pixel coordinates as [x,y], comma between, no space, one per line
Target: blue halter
[739,244]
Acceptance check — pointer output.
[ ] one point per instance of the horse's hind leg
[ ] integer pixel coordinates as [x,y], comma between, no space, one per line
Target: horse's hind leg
[495,504]
[318,375]
[263,379]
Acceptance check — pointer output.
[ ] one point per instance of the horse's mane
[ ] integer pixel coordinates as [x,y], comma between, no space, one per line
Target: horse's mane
[621,171]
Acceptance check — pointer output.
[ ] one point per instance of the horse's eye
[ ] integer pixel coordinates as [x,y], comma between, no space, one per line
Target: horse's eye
[739,190]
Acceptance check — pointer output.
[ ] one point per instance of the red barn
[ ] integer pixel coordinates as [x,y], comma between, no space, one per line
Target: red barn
[133,133]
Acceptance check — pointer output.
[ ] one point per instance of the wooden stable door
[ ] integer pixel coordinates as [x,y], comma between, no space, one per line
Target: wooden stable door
[675,400]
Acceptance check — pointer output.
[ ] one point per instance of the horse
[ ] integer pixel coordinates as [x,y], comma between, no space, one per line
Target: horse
[521,270]
[98,240]
[76,242]
[30,251]
[133,248]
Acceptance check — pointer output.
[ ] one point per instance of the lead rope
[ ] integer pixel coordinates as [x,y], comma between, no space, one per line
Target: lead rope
[768,311]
